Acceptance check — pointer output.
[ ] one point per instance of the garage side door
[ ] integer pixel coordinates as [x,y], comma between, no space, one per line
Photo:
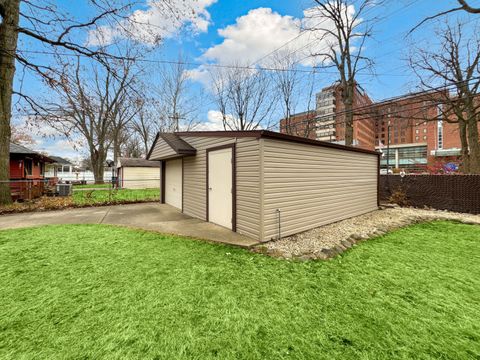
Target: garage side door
[173,183]
[220,187]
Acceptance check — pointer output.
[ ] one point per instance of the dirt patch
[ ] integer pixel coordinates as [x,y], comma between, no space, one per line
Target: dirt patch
[330,240]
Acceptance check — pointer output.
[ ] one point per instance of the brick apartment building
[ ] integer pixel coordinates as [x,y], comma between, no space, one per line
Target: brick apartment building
[397,128]
[327,121]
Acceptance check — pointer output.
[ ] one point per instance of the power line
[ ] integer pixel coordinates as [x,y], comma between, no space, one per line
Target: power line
[235,67]
[326,47]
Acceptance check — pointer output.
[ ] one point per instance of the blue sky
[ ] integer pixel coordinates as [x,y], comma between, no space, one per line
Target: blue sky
[227,28]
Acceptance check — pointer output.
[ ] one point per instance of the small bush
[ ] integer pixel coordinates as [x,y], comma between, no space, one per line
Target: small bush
[399,197]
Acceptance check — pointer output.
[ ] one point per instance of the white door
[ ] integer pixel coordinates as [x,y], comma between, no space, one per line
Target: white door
[173,183]
[220,187]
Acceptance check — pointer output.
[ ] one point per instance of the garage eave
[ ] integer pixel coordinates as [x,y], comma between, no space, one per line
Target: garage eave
[178,147]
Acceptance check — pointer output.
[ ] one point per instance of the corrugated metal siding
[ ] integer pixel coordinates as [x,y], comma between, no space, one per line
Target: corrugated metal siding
[314,186]
[140,177]
[161,150]
[248,181]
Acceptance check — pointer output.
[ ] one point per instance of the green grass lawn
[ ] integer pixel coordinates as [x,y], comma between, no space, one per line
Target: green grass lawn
[92,186]
[121,195]
[101,292]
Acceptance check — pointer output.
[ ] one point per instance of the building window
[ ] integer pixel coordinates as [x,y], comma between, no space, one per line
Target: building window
[416,138]
[417,131]
[424,137]
[425,131]
[28,167]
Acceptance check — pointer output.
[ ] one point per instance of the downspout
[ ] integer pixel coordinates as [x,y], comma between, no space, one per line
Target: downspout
[279,218]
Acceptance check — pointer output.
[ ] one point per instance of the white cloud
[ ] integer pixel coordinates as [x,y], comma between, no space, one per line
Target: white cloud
[252,36]
[48,140]
[214,122]
[261,31]
[61,147]
[160,19]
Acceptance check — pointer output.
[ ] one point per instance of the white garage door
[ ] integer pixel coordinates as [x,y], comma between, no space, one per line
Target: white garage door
[173,183]
[220,187]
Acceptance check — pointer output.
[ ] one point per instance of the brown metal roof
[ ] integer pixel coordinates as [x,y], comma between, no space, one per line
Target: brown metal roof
[178,145]
[135,162]
[274,135]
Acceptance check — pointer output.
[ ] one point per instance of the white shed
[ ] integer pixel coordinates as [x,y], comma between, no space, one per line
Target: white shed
[138,173]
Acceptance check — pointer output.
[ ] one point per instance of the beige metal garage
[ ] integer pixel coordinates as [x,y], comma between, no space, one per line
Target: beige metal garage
[134,173]
[265,184]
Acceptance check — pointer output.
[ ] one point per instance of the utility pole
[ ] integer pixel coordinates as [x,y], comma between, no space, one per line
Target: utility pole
[176,118]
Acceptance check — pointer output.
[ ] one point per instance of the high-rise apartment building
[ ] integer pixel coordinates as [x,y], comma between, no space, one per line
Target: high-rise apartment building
[327,121]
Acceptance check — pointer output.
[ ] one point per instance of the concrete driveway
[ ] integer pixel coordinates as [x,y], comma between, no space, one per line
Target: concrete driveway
[148,216]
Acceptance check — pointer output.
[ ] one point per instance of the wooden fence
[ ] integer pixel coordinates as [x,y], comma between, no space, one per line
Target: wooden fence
[30,189]
[459,193]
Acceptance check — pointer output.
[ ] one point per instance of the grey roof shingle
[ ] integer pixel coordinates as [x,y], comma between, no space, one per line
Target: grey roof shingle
[19,149]
[176,143]
[60,160]
[135,162]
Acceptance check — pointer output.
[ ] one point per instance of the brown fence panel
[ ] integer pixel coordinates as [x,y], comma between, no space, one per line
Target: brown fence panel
[444,192]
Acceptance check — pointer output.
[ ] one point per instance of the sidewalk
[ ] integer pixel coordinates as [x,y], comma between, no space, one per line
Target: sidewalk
[148,216]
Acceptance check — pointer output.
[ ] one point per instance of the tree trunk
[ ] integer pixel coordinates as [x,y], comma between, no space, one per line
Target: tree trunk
[465,154]
[116,149]
[145,145]
[473,145]
[348,123]
[98,158]
[348,91]
[9,17]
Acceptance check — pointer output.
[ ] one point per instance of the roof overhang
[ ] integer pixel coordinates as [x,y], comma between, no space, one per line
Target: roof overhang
[36,156]
[179,146]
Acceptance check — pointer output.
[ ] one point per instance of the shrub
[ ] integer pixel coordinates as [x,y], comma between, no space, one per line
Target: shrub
[399,196]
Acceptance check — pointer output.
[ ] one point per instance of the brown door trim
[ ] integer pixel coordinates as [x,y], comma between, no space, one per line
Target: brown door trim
[378,179]
[183,167]
[162,182]
[234,181]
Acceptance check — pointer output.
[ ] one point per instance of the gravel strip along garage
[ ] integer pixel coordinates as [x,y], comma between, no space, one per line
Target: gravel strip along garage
[327,241]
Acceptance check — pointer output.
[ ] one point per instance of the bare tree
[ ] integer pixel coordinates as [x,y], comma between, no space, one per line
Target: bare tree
[286,81]
[244,97]
[144,126]
[43,22]
[309,129]
[21,135]
[456,66]
[91,109]
[133,147]
[177,106]
[344,30]
[463,6]
[126,109]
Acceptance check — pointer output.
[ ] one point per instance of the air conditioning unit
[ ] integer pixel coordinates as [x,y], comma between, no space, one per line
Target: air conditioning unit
[64,189]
